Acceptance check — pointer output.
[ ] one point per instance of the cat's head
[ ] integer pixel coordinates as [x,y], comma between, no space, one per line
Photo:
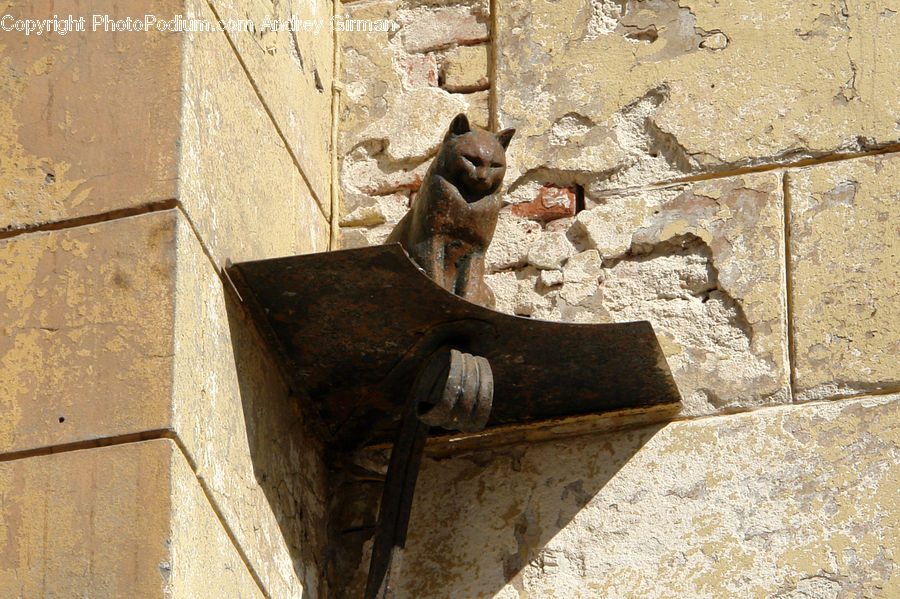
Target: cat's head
[473,159]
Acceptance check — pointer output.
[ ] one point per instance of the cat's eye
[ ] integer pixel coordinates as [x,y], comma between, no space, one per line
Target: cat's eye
[470,160]
[496,165]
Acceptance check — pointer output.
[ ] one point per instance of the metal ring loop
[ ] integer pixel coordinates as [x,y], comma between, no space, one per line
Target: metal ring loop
[460,390]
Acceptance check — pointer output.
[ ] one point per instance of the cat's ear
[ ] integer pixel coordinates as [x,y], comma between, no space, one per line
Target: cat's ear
[460,125]
[505,136]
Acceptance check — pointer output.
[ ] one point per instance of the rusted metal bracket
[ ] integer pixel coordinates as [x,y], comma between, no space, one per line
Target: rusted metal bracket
[387,355]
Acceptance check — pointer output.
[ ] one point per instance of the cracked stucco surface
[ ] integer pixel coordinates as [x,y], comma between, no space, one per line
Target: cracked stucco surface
[701,261]
[682,131]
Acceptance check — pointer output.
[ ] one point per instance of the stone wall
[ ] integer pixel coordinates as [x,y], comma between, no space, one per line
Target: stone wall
[149,446]
[725,170]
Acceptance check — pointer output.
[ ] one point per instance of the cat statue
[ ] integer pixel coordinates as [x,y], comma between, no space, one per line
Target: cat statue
[452,220]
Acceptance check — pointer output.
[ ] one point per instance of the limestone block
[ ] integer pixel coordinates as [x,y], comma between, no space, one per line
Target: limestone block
[86,316]
[377,210]
[204,561]
[125,327]
[240,187]
[549,251]
[845,276]
[465,68]
[638,92]
[479,108]
[610,237]
[122,521]
[581,276]
[549,278]
[243,428]
[64,155]
[789,502]
[512,239]
[366,171]
[291,72]
[518,293]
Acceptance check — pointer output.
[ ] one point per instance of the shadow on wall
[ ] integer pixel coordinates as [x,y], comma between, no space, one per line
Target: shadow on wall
[287,460]
[481,517]
[485,520]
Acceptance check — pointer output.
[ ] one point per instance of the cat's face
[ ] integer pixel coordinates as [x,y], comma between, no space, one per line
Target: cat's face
[474,160]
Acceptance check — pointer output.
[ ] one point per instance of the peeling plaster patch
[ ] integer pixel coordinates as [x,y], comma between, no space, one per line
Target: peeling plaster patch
[569,128]
[706,336]
[627,150]
[702,262]
[604,18]
[37,189]
[669,29]
[394,76]
[399,103]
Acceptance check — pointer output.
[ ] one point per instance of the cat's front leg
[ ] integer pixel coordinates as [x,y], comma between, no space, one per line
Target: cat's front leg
[431,257]
[469,281]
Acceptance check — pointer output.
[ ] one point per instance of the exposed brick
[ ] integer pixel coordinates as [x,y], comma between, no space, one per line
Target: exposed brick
[553,202]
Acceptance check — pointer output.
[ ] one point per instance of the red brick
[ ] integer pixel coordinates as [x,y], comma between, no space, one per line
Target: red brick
[552,202]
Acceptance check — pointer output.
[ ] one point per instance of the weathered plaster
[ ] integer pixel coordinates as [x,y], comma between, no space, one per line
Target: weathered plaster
[629,93]
[703,262]
[242,427]
[125,327]
[62,151]
[86,316]
[239,185]
[402,89]
[292,74]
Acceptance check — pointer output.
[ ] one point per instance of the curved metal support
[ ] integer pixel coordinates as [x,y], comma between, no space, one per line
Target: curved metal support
[452,390]
[369,337]
[342,320]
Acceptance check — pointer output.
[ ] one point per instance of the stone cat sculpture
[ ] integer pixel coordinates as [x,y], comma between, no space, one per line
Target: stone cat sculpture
[452,220]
